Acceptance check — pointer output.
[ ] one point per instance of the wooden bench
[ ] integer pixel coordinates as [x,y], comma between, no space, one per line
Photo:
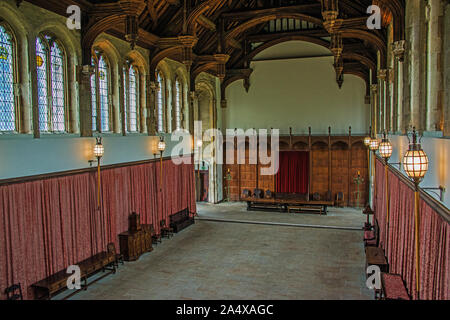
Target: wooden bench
[307,208]
[57,283]
[284,205]
[392,288]
[375,256]
[181,220]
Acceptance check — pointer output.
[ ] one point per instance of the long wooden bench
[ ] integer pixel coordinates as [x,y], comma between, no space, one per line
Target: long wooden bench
[57,283]
[392,288]
[181,220]
[284,205]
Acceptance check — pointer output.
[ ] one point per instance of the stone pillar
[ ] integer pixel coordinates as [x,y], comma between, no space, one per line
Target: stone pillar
[84,82]
[192,109]
[435,66]
[374,118]
[415,25]
[142,103]
[446,55]
[382,74]
[151,107]
[399,52]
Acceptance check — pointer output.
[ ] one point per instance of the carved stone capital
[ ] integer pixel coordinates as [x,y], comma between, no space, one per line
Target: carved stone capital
[374,88]
[382,74]
[399,49]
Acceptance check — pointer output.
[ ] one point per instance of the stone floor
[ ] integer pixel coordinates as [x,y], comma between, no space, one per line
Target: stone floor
[222,260]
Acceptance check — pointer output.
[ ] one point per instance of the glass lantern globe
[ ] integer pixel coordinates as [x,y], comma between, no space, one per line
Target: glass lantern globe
[374,144]
[367,141]
[161,146]
[415,162]
[385,148]
[99,149]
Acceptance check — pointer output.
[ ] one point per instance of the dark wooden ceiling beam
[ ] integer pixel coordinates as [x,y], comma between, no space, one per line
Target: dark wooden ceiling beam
[249,14]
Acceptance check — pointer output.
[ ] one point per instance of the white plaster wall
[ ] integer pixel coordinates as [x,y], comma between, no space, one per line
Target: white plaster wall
[438,151]
[297,93]
[22,155]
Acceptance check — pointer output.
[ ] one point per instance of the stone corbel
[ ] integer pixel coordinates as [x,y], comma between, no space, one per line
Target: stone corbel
[382,74]
[374,88]
[84,71]
[399,50]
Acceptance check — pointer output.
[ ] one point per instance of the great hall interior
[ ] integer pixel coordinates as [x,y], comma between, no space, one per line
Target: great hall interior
[138,140]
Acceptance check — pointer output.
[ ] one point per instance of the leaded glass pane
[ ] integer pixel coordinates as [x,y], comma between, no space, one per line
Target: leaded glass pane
[178,103]
[7,109]
[159,102]
[125,97]
[94,99]
[133,100]
[103,90]
[57,70]
[41,60]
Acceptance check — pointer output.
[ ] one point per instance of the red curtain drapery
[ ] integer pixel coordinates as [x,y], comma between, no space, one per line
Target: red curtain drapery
[293,173]
[400,249]
[47,225]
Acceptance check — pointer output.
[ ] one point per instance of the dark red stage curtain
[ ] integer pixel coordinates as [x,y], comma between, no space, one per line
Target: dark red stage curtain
[293,173]
[399,243]
[47,225]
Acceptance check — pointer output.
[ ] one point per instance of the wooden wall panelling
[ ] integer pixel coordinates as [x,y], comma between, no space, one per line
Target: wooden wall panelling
[339,169]
[320,180]
[359,163]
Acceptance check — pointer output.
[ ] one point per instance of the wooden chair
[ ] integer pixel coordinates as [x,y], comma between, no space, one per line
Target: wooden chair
[258,193]
[118,257]
[340,199]
[316,196]
[156,238]
[246,193]
[14,292]
[165,230]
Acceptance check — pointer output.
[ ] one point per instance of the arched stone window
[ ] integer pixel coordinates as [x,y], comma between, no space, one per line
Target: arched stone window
[131,98]
[100,88]
[160,101]
[8,61]
[51,77]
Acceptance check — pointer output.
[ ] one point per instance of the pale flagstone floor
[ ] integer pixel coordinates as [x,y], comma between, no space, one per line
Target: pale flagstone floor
[221,260]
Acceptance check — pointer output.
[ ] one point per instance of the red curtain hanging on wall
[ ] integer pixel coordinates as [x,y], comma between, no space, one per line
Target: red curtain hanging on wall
[46,225]
[293,174]
[400,249]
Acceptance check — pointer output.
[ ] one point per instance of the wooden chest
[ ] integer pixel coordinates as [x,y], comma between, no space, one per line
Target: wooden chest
[134,244]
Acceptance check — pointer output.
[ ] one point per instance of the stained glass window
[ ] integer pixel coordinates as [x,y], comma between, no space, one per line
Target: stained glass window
[125,96]
[100,94]
[57,76]
[104,98]
[50,62]
[178,104]
[160,102]
[7,105]
[41,59]
[133,98]
[94,98]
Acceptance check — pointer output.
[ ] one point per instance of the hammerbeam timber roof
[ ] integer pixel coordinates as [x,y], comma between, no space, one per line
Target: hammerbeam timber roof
[230,26]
